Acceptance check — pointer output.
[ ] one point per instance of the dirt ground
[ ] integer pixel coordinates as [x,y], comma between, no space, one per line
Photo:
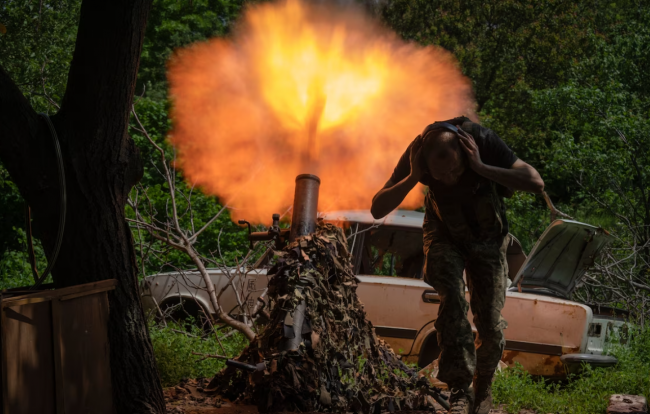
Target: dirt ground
[188,398]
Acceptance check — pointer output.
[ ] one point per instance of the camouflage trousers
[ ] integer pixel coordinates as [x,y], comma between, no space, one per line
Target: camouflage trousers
[486,271]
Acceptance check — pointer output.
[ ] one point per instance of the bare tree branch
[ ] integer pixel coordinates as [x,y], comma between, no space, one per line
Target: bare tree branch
[175,236]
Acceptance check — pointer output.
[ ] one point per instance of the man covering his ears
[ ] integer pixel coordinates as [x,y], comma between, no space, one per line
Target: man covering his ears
[468,170]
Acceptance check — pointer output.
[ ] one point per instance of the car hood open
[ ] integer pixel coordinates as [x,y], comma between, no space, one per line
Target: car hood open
[561,256]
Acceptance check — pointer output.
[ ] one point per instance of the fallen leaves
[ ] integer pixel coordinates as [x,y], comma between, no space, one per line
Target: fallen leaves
[340,365]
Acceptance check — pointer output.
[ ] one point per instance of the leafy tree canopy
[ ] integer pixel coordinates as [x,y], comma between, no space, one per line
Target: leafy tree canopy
[557,79]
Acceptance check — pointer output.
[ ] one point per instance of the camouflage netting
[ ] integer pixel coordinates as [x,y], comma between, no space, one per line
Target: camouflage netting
[341,365]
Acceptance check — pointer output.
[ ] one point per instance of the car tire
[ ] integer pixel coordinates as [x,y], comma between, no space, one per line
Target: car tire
[185,312]
[430,350]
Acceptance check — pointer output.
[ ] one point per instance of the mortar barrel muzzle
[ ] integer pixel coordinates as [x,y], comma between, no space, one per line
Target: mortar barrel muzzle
[305,206]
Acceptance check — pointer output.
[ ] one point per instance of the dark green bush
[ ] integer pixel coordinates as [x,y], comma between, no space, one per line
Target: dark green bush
[173,350]
[585,394]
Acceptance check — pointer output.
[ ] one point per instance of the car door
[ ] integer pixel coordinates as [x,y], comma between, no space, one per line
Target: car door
[389,261]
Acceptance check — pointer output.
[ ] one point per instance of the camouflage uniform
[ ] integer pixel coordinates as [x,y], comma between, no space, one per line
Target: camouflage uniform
[486,271]
[466,229]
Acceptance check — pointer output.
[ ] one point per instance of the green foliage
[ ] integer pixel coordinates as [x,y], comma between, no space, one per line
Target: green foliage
[12,211]
[37,49]
[586,394]
[598,123]
[383,263]
[569,129]
[173,24]
[503,45]
[173,351]
[15,270]
[38,62]
[527,218]
[589,139]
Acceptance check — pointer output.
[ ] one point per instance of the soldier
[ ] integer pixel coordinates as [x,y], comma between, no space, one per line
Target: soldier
[468,170]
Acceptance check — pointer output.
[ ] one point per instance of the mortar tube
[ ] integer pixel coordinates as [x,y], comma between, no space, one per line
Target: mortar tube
[305,206]
[303,222]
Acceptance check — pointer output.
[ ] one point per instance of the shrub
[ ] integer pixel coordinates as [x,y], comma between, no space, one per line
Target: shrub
[585,394]
[173,351]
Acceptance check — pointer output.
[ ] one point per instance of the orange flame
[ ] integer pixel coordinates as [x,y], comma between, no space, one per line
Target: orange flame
[300,89]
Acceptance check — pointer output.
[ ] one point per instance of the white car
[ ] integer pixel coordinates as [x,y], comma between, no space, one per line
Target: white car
[543,323]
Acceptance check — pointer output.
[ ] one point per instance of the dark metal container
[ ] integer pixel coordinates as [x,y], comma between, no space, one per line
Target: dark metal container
[305,206]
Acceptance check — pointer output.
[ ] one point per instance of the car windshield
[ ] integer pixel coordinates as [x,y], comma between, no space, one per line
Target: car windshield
[389,251]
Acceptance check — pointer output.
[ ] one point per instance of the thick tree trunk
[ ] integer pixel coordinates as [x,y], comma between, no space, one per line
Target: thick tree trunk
[101,165]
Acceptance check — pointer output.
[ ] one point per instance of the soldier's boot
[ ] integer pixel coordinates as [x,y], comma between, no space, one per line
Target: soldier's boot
[483,393]
[461,401]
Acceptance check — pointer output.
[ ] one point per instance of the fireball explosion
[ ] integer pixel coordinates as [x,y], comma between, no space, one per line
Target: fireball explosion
[301,88]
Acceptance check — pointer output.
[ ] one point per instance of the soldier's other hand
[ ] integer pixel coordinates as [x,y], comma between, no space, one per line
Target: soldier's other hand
[471,149]
[416,158]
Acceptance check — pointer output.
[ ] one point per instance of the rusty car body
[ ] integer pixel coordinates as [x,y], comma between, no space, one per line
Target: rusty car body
[543,323]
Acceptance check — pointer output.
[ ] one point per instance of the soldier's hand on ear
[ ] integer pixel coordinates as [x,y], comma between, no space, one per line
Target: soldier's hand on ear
[471,149]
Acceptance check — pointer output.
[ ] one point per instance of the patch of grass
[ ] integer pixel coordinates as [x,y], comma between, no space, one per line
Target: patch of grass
[585,394]
[173,351]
